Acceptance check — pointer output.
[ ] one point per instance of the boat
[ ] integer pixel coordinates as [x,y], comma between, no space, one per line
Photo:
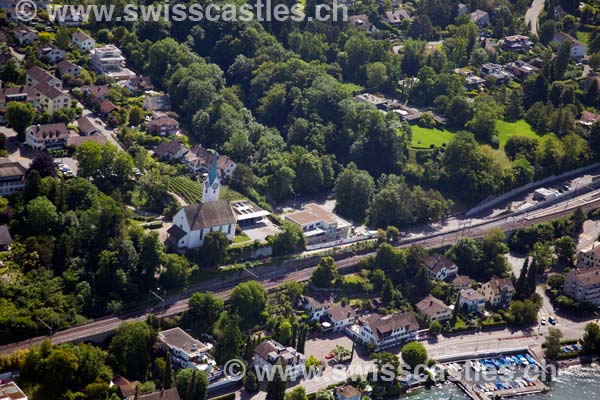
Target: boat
[530,359]
[516,360]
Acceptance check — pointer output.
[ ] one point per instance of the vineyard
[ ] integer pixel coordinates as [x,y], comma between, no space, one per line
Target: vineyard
[188,189]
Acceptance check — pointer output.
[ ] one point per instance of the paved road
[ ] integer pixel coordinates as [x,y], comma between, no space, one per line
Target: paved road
[533,13]
[278,276]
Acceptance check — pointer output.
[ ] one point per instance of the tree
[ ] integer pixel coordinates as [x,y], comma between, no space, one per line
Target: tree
[285,332]
[552,343]
[377,75]
[44,164]
[136,116]
[591,339]
[297,393]
[514,106]
[547,31]
[290,240]
[341,353]
[565,248]
[324,394]
[524,312]
[214,248]
[414,354]
[248,299]
[182,381]
[309,174]
[387,364]
[41,215]
[276,387]
[556,282]
[325,273]
[167,382]
[561,61]
[353,191]
[388,292]
[251,384]
[229,338]
[435,328]
[203,311]
[132,347]
[20,116]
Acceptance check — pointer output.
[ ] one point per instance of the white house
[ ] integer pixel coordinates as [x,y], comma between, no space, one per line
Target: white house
[271,353]
[340,316]
[385,331]
[67,67]
[51,136]
[51,54]
[316,307]
[25,35]
[471,301]
[192,223]
[199,160]
[578,49]
[319,225]
[434,309]
[584,285]
[51,98]
[83,41]
[440,268]
[480,17]
[187,352]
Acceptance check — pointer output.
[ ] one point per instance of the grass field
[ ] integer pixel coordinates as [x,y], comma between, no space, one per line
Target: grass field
[518,128]
[423,138]
[583,37]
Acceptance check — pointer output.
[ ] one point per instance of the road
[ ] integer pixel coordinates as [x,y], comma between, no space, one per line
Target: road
[533,13]
[278,276]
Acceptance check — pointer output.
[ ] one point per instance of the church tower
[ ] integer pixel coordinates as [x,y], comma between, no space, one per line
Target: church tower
[212,182]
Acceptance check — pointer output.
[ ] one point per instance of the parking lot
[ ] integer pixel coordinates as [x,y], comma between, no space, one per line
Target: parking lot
[325,343]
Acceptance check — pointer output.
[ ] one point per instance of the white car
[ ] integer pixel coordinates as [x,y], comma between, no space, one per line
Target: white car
[543,321]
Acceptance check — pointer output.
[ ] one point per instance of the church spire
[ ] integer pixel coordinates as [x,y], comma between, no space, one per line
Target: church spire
[212,181]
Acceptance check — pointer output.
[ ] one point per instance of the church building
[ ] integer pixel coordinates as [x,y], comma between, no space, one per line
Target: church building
[192,223]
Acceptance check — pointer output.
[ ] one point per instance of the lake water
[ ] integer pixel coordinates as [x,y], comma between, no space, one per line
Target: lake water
[574,383]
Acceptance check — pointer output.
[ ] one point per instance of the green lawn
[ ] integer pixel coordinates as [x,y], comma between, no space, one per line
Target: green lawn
[423,138]
[518,128]
[583,37]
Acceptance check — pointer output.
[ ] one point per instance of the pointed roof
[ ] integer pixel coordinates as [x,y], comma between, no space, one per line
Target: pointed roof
[213,172]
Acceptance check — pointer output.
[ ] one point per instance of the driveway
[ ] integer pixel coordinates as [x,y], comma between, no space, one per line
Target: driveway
[108,133]
[533,13]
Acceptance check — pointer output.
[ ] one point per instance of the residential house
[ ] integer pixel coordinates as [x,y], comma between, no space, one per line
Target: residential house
[43,137]
[126,387]
[87,127]
[461,282]
[163,126]
[139,84]
[271,353]
[68,16]
[108,60]
[66,67]
[472,81]
[471,301]
[385,331]
[37,75]
[248,213]
[164,394]
[12,176]
[50,54]
[340,316]
[199,160]
[362,22]
[578,49]
[480,18]
[192,223]
[589,256]
[583,285]
[316,306]
[187,352]
[440,268]
[5,238]
[496,72]
[395,18]
[517,43]
[157,101]
[99,92]
[25,35]
[107,106]
[173,150]
[347,392]
[51,98]
[434,309]
[76,140]
[461,9]
[10,391]
[498,292]
[26,94]
[319,225]
[520,69]
[588,119]
[83,41]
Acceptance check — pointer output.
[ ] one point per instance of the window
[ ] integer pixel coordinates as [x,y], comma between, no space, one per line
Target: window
[229,230]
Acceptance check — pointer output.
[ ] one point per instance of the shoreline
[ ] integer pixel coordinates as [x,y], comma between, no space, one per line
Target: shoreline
[583,361]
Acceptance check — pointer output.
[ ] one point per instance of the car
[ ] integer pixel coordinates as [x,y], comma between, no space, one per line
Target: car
[543,321]
[329,356]
[552,320]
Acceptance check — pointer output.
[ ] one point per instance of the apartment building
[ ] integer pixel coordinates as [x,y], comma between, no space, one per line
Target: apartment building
[319,225]
[584,285]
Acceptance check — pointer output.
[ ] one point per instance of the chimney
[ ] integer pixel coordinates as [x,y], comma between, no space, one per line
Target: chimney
[204,177]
